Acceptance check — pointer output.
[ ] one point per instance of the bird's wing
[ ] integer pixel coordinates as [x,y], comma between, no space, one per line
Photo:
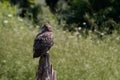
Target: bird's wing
[42,43]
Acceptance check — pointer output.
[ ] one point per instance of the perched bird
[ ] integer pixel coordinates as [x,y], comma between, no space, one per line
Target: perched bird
[43,41]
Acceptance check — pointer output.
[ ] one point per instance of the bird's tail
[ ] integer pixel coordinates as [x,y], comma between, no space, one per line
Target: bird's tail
[37,53]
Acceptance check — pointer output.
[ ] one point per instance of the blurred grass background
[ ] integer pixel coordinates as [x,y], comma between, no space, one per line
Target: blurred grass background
[74,56]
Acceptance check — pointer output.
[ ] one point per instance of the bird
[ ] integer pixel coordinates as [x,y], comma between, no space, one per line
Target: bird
[43,41]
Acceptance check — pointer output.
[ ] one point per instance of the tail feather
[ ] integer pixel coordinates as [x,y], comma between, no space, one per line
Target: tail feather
[36,54]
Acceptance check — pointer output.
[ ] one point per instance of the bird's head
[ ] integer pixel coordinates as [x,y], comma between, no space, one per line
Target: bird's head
[46,27]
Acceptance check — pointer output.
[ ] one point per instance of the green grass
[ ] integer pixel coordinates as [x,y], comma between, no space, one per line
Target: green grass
[85,59]
[74,58]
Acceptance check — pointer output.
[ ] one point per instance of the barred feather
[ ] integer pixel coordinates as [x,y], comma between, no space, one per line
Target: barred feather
[42,43]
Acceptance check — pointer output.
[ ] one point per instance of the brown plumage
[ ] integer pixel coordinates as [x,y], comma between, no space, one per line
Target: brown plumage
[43,41]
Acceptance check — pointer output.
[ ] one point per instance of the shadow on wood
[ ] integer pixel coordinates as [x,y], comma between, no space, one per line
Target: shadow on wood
[45,70]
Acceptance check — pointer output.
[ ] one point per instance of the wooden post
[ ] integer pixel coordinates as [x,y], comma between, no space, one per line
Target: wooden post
[45,70]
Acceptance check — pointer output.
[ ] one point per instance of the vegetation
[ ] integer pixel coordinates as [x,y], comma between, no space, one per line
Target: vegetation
[100,15]
[74,56]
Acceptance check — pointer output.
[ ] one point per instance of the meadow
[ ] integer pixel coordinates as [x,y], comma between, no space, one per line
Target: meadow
[72,56]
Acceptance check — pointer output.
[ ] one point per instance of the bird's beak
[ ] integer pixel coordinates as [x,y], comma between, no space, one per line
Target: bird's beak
[42,29]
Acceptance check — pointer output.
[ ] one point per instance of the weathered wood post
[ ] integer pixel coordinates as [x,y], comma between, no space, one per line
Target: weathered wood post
[45,70]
